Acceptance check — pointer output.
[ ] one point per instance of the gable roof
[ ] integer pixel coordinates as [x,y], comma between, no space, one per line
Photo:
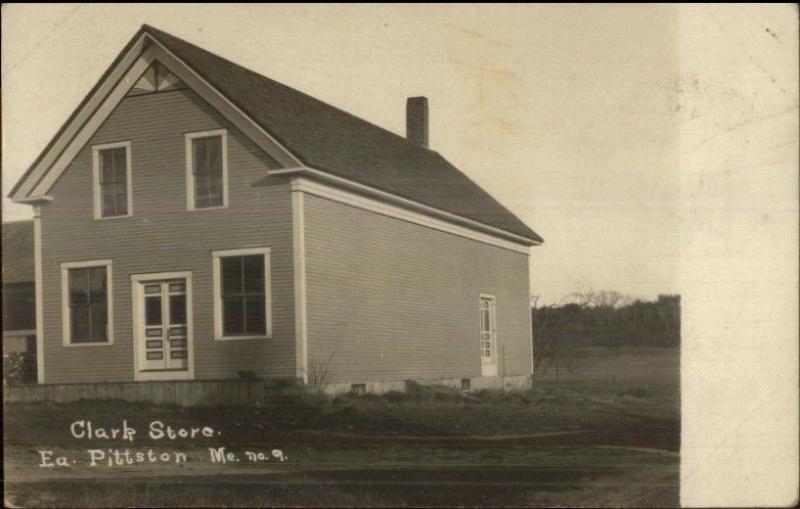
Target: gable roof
[326,138]
[17,252]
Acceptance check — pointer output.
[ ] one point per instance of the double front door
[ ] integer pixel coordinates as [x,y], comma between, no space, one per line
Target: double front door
[162,319]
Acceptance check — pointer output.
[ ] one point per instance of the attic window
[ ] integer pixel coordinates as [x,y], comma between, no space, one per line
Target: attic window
[112,180]
[207,170]
[156,78]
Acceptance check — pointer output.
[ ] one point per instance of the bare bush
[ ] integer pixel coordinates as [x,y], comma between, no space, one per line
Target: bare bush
[548,319]
[320,372]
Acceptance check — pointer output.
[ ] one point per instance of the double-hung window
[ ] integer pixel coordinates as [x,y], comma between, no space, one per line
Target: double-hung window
[86,302]
[207,169]
[112,180]
[242,306]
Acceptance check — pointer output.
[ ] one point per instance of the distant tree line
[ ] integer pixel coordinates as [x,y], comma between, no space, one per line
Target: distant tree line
[608,318]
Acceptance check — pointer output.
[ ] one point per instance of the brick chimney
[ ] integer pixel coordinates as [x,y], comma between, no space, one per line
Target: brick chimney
[417,120]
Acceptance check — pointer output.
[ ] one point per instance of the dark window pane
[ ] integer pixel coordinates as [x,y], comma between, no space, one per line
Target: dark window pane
[152,289]
[201,201]
[121,199]
[153,333]
[203,191]
[231,275]
[97,284]
[107,174]
[215,190]
[119,157]
[214,200]
[154,343]
[152,311]
[113,165]
[78,286]
[177,343]
[233,312]
[177,309]
[79,327]
[107,166]
[253,274]
[99,319]
[177,354]
[200,157]
[202,186]
[121,171]
[109,200]
[154,356]
[214,153]
[255,320]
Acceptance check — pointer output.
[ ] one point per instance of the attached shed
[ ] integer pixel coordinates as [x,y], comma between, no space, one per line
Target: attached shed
[19,303]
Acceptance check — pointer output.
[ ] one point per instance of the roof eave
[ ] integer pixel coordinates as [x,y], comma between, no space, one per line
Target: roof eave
[14,194]
[352,185]
[33,200]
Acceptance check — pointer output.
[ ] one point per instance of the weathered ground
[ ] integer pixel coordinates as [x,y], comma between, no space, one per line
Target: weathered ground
[607,435]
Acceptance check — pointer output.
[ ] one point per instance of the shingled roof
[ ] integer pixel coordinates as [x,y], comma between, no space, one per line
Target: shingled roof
[17,252]
[334,141]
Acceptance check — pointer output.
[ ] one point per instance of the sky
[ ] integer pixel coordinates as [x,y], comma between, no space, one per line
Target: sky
[568,115]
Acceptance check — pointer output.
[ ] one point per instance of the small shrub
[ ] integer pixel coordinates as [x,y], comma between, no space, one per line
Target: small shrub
[320,372]
[19,368]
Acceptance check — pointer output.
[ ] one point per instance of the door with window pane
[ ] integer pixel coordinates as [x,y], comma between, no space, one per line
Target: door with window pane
[488,332]
[163,331]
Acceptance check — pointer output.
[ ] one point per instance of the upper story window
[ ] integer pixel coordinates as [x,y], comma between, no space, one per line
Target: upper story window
[86,302]
[112,180]
[207,169]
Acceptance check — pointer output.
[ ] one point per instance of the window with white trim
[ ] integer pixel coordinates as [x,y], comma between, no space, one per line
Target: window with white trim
[86,306]
[207,169]
[242,307]
[112,179]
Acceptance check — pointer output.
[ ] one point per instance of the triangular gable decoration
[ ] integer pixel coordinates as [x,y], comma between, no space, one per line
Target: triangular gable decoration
[168,81]
[156,78]
[146,84]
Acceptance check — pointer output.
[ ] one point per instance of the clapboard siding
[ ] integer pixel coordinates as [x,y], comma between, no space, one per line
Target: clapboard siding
[392,300]
[163,236]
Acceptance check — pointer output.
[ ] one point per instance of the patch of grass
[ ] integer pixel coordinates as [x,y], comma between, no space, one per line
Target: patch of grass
[589,402]
[178,494]
[354,450]
[634,392]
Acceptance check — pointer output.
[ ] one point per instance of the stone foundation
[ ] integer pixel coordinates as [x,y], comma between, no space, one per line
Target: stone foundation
[475,383]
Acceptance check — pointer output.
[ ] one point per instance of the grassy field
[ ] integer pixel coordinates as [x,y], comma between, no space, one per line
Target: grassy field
[607,434]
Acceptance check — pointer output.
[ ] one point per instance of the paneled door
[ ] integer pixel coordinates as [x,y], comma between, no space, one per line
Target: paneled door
[162,317]
[488,335]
